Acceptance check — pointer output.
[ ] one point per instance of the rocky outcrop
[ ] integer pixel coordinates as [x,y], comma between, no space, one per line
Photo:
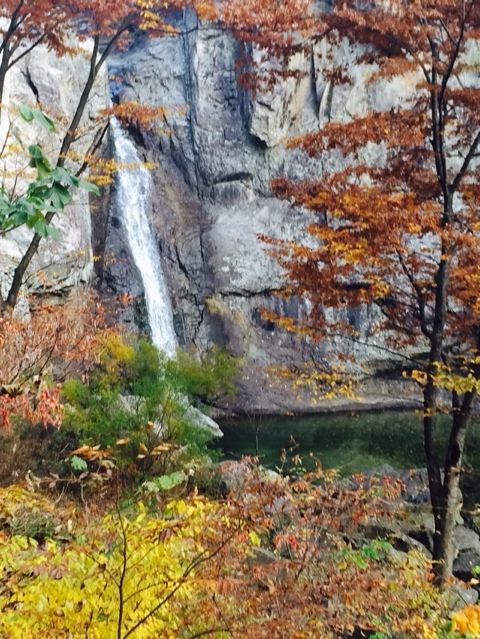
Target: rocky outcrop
[54,84]
[216,152]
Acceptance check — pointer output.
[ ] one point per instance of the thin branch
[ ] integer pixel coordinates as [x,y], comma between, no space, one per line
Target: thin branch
[378,347]
[13,26]
[466,163]
[110,45]
[421,301]
[455,53]
[26,51]
[97,142]
[123,572]
[202,558]
[445,28]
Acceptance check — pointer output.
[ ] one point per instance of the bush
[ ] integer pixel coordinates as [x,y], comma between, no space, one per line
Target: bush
[134,405]
[125,575]
[33,524]
[208,379]
[138,403]
[275,560]
[26,513]
[30,449]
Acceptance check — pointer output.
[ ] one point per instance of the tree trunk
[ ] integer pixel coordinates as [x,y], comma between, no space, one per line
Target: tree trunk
[444,553]
[4,66]
[22,266]
[430,400]
[3,74]
[433,466]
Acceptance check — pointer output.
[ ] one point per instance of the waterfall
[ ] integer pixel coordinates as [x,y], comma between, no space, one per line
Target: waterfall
[134,188]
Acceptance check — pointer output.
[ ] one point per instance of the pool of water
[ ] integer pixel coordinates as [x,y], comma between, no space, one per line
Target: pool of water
[349,442]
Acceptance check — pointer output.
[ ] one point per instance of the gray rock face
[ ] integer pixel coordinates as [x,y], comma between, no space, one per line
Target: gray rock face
[458,597]
[465,563]
[54,84]
[466,539]
[217,151]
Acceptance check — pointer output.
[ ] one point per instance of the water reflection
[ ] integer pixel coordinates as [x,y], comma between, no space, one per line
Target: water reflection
[350,442]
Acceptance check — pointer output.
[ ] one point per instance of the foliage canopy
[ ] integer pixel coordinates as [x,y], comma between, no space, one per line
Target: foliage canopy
[395,226]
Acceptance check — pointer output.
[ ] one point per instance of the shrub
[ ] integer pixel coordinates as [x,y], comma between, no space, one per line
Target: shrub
[126,575]
[33,524]
[274,560]
[25,513]
[40,351]
[208,378]
[136,401]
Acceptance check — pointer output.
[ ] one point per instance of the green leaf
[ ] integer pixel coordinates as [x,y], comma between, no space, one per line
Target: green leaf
[164,482]
[39,161]
[150,487]
[78,464]
[89,186]
[37,222]
[38,115]
[37,199]
[52,232]
[59,196]
[61,174]
[35,151]
[16,217]
[26,113]
[39,225]
[44,121]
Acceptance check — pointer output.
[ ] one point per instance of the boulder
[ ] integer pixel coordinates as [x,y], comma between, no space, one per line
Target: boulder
[458,597]
[415,482]
[466,539]
[262,556]
[234,475]
[192,414]
[464,564]
[202,421]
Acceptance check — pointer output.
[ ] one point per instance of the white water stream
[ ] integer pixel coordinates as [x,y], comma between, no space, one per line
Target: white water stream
[134,188]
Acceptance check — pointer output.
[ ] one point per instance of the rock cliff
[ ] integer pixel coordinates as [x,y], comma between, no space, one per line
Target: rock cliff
[216,153]
[54,84]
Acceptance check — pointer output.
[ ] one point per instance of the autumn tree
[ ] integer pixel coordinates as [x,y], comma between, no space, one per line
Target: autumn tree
[24,25]
[397,229]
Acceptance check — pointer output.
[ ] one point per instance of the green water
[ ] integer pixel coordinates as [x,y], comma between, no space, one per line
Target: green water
[350,442]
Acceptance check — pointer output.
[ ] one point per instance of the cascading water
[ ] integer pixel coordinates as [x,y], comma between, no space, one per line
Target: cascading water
[134,189]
